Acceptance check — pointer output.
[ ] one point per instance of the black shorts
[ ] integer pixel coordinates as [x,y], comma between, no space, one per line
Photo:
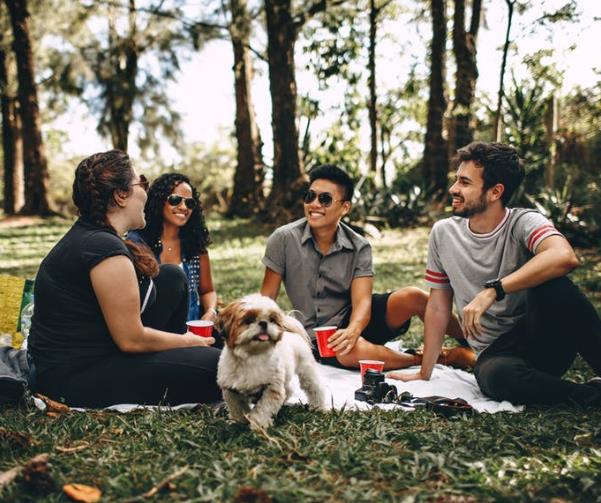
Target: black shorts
[376,331]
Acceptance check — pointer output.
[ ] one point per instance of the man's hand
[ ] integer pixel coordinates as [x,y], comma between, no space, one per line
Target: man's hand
[413,376]
[344,340]
[474,311]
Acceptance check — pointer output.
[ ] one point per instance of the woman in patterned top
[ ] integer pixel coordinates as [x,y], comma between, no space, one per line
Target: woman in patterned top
[176,232]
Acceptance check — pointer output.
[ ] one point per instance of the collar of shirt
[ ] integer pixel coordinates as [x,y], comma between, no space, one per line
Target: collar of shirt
[340,241]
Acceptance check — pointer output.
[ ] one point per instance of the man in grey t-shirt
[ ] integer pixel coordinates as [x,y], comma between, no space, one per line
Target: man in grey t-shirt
[506,270]
[326,268]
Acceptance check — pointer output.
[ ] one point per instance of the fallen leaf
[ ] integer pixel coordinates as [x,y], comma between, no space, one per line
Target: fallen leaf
[83,493]
[75,448]
[53,406]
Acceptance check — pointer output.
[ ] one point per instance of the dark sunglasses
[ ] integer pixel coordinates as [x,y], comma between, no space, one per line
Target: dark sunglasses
[175,200]
[325,198]
[144,183]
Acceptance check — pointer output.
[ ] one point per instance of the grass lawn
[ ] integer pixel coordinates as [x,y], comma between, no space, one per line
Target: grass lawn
[543,454]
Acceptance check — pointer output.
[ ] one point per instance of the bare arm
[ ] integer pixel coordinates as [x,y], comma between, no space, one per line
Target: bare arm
[554,258]
[438,314]
[121,310]
[344,340]
[271,284]
[206,290]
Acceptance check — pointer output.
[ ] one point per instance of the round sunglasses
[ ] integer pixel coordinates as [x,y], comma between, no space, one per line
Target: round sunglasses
[175,200]
[325,198]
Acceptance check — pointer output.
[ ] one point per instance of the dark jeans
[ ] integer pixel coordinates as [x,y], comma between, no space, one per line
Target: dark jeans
[183,375]
[525,365]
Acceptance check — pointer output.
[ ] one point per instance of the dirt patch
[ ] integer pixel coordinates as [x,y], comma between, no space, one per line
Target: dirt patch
[19,221]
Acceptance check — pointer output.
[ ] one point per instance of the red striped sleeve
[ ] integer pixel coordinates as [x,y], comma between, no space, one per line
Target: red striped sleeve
[436,277]
[538,233]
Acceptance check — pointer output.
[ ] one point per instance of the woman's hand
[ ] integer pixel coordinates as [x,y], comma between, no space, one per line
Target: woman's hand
[197,340]
[210,314]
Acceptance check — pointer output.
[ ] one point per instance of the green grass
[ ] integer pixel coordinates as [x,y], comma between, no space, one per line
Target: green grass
[541,454]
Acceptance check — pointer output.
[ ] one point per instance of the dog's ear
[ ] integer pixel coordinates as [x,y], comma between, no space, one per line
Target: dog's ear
[291,324]
[225,319]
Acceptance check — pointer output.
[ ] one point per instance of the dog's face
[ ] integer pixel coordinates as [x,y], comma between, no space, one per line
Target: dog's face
[252,324]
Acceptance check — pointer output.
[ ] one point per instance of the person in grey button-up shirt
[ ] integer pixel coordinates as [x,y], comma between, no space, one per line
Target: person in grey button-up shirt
[327,271]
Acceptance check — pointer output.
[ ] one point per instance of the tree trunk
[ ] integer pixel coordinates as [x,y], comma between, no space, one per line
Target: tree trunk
[13,169]
[551,119]
[247,197]
[373,111]
[121,85]
[497,123]
[288,178]
[464,47]
[37,200]
[435,164]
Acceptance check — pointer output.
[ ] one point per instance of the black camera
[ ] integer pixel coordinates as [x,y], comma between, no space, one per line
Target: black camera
[375,389]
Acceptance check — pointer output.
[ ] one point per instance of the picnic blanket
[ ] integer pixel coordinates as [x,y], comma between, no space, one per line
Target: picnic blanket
[341,385]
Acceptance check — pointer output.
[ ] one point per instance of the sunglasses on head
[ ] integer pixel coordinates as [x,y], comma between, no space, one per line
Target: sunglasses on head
[144,183]
[325,198]
[175,200]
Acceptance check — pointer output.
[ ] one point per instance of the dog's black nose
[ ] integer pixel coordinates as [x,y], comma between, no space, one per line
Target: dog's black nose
[263,325]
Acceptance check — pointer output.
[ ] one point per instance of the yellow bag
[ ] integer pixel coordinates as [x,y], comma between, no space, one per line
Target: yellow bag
[15,294]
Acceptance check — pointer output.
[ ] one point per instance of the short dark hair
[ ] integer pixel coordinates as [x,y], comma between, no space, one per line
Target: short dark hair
[500,162]
[336,175]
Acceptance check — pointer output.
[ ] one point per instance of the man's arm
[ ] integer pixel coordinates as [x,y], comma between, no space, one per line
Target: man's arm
[554,258]
[436,320]
[271,284]
[344,340]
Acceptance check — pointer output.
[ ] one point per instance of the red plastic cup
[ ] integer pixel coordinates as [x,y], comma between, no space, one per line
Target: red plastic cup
[204,328]
[370,364]
[322,334]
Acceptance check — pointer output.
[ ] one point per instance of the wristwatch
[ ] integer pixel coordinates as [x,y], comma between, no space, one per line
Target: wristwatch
[496,284]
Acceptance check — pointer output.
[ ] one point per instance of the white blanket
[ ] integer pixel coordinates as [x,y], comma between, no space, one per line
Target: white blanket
[341,385]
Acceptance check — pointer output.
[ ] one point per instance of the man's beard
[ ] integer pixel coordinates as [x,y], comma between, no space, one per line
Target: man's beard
[473,209]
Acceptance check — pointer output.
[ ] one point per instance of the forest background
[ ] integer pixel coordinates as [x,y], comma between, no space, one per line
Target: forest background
[245,97]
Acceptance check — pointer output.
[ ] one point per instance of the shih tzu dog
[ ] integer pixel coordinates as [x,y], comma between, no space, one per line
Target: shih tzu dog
[264,349]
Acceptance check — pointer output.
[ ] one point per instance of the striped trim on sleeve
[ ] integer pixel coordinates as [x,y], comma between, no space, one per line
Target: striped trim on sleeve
[436,277]
[537,235]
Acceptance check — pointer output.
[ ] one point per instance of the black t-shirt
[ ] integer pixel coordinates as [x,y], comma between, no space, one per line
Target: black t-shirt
[68,329]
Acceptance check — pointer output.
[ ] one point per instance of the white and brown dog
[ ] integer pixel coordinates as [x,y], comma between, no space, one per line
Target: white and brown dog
[264,349]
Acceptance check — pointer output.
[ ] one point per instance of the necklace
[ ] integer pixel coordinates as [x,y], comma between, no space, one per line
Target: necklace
[169,248]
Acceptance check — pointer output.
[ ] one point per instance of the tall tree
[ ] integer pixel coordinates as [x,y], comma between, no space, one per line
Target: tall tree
[13,199]
[283,26]
[464,48]
[117,71]
[435,163]
[497,122]
[247,196]
[121,72]
[37,198]
[13,171]
[287,168]
[374,13]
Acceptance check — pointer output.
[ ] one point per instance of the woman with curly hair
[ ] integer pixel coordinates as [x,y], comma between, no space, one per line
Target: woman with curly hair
[176,232]
[109,323]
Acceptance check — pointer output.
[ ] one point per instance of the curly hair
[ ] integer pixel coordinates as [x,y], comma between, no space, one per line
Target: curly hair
[194,235]
[97,177]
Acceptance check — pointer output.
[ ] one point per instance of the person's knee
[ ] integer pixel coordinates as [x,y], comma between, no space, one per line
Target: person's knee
[411,298]
[351,359]
[502,378]
[172,276]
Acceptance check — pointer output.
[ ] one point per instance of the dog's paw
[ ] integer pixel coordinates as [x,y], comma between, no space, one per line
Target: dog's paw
[258,423]
[238,418]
